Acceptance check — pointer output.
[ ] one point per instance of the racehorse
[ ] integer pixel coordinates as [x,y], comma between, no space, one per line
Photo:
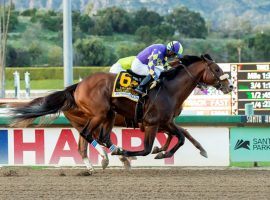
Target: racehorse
[92,97]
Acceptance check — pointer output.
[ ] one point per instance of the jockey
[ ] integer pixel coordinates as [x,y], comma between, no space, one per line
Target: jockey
[152,60]
[122,64]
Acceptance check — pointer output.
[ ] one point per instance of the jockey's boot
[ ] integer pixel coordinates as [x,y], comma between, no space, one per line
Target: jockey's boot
[141,88]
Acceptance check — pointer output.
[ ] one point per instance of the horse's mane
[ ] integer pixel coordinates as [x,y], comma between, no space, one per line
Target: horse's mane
[187,60]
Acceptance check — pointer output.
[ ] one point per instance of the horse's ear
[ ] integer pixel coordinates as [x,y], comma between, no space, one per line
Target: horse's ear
[206,57]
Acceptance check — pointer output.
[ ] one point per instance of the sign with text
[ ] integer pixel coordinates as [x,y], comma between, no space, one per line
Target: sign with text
[249,144]
[208,105]
[58,146]
[252,86]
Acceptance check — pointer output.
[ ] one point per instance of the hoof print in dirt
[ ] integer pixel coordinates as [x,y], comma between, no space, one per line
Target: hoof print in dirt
[62,173]
[85,173]
[10,173]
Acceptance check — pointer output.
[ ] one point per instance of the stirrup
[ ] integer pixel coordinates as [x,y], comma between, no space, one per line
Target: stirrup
[140,92]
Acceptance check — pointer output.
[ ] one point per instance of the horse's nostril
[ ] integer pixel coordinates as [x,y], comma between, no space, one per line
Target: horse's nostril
[231,87]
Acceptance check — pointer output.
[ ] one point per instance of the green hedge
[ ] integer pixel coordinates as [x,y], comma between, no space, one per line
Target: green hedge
[40,73]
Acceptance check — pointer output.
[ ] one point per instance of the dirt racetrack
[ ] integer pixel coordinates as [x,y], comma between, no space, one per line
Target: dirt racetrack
[174,183]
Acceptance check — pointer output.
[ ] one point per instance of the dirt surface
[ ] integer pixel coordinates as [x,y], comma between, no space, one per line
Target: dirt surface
[174,183]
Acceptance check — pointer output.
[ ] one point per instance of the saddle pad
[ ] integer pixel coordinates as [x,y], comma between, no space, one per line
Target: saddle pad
[123,86]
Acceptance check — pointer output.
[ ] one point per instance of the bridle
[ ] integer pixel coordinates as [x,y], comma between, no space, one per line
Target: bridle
[219,79]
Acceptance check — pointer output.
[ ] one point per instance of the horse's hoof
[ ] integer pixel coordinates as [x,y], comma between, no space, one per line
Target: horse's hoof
[127,165]
[155,150]
[159,156]
[204,154]
[125,161]
[85,173]
[104,163]
[91,170]
[122,158]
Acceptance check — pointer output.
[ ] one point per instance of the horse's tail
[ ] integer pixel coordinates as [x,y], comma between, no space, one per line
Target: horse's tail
[24,115]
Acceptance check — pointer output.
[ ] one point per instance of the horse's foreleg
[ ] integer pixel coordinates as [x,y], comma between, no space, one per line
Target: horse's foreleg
[188,136]
[150,134]
[178,132]
[163,148]
[195,143]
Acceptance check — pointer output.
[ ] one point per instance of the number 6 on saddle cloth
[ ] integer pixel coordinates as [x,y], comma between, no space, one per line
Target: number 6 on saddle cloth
[124,86]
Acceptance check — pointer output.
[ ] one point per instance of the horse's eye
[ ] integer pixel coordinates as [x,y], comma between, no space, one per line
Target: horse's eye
[217,70]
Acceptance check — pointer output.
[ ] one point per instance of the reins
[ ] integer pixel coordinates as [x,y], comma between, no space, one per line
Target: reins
[190,75]
[198,83]
[201,85]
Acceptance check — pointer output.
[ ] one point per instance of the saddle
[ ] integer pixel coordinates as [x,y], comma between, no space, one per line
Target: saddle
[124,86]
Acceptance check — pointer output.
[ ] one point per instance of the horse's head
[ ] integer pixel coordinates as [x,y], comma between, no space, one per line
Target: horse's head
[213,75]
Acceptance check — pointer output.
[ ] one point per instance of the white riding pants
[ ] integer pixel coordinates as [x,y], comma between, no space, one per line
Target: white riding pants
[141,69]
[116,68]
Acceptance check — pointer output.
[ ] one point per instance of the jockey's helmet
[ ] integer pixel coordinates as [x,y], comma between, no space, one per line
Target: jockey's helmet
[175,47]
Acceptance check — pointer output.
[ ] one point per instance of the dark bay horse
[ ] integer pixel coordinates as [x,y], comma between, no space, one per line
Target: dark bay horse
[161,104]
[92,97]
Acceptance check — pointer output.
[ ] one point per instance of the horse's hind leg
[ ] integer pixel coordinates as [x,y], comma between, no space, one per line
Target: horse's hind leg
[87,133]
[177,131]
[104,135]
[105,138]
[82,149]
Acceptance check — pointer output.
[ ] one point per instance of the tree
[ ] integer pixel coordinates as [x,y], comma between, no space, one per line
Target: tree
[93,52]
[86,24]
[55,56]
[51,21]
[17,57]
[262,46]
[5,12]
[144,17]
[164,31]
[35,53]
[29,12]
[13,20]
[103,26]
[188,23]
[144,34]
[118,18]
[75,18]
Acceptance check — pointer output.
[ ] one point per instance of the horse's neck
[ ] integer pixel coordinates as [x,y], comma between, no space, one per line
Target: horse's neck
[183,84]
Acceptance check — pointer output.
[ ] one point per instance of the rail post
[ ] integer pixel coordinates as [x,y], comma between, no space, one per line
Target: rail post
[27,84]
[17,84]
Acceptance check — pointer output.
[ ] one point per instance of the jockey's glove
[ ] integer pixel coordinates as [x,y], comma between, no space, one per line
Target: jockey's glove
[151,72]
